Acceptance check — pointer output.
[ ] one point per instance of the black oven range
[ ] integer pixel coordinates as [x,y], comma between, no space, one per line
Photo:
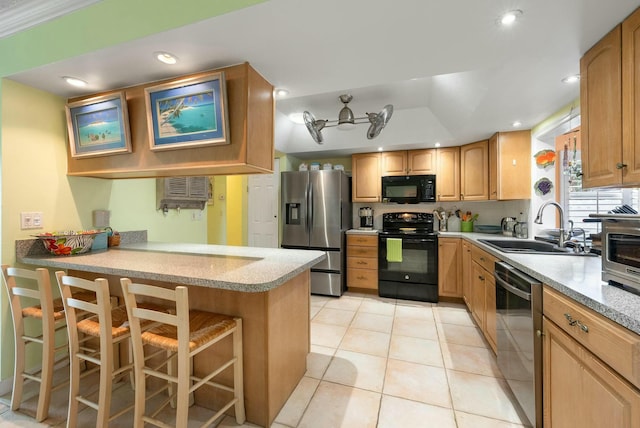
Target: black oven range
[408,257]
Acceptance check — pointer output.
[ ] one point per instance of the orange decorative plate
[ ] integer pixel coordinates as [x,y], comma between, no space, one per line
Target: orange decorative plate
[545,158]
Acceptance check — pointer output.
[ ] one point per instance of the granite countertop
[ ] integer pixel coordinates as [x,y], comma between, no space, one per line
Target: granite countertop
[246,269]
[362,232]
[578,277]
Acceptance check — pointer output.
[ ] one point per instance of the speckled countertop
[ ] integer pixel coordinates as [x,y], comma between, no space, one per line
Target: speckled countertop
[362,232]
[578,277]
[246,269]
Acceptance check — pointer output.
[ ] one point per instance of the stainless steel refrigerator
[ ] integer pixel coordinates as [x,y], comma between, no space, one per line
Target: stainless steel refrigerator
[316,209]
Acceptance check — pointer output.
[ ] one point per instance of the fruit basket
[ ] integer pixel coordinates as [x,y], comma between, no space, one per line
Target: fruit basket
[68,243]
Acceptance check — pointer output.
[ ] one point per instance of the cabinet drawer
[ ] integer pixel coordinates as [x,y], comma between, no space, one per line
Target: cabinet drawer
[371,252]
[484,259]
[362,278]
[362,263]
[363,240]
[612,343]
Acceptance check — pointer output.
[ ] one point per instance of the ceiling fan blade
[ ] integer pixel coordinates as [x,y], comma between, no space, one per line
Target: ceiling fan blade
[314,126]
[379,121]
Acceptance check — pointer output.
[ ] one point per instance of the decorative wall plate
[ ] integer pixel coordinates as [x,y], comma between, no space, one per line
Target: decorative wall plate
[545,158]
[543,186]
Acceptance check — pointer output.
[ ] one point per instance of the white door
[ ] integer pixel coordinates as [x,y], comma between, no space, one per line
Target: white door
[263,208]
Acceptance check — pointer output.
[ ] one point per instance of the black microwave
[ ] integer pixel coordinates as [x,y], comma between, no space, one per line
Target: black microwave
[409,189]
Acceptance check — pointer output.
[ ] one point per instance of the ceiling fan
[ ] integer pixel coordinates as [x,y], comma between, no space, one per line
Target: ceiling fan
[346,120]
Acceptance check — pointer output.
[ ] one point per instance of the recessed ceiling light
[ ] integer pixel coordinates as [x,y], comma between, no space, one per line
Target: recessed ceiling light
[379,149]
[281,92]
[509,18]
[516,124]
[437,144]
[165,57]
[296,118]
[571,79]
[73,81]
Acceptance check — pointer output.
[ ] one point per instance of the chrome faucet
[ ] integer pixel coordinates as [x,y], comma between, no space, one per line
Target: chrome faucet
[538,220]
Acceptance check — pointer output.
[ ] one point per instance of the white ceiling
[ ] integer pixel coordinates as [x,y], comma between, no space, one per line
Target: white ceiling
[452,74]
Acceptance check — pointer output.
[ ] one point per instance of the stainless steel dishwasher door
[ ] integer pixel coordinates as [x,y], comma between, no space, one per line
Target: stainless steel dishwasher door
[519,345]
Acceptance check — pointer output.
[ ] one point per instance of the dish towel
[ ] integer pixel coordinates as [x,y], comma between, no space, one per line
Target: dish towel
[394,249]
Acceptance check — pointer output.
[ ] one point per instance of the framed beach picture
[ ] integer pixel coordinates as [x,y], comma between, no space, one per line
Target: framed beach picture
[188,113]
[99,126]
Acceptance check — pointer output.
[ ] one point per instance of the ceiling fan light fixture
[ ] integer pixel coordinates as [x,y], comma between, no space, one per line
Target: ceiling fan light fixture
[347,120]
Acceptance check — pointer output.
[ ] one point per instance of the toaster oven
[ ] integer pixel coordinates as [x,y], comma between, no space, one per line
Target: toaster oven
[621,251]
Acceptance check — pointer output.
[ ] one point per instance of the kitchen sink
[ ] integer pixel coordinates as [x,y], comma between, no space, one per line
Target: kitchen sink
[530,247]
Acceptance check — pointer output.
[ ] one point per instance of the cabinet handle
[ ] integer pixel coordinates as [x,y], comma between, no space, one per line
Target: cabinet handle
[362,277]
[583,327]
[570,319]
[461,197]
[481,278]
[361,262]
[481,259]
[539,333]
[621,165]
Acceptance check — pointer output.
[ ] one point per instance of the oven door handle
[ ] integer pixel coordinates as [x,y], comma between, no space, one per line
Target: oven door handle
[413,241]
[511,289]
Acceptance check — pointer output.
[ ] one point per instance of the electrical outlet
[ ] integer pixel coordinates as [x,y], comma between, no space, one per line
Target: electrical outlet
[30,220]
[196,215]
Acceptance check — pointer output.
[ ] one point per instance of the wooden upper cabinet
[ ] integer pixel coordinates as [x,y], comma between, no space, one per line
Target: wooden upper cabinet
[510,165]
[250,109]
[474,171]
[412,162]
[393,163]
[631,99]
[448,175]
[365,173]
[421,162]
[601,112]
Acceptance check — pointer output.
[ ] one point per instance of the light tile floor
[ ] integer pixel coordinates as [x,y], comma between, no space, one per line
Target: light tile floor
[374,362]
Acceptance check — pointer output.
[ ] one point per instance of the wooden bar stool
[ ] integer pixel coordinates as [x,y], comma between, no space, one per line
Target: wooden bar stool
[181,335]
[51,313]
[100,321]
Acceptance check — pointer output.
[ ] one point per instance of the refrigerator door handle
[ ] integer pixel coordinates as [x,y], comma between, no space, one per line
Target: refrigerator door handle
[310,208]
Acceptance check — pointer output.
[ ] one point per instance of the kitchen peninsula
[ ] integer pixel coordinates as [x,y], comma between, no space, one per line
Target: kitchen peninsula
[268,288]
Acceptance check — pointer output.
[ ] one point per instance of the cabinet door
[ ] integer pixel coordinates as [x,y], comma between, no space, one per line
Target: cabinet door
[421,162]
[365,172]
[474,171]
[490,310]
[466,273]
[449,258]
[448,175]
[493,167]
[580,390]
[510,165]
[478,276]
[631,99]
[394,163]
[601,112]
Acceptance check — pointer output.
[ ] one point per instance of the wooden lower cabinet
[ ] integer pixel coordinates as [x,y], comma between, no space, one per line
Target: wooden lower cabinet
[362,261]
[466,273]
[580,390]
[449,262]
[483,293]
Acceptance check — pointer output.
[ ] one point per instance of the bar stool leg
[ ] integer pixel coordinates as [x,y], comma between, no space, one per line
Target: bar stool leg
[74,384]
[238,370]
[46,375]
[18,378]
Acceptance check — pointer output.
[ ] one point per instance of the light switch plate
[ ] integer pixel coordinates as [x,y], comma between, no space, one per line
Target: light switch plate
[31,220]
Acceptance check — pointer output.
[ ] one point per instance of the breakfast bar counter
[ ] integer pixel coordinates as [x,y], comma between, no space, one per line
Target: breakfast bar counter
[268,288]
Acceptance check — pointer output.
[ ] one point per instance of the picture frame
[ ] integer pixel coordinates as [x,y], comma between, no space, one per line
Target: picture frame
[99,126]
[188,113]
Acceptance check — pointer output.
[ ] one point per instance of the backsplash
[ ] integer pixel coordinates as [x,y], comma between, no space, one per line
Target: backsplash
[489,212]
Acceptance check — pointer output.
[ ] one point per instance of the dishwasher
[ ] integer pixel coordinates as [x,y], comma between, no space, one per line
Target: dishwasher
[519,337]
